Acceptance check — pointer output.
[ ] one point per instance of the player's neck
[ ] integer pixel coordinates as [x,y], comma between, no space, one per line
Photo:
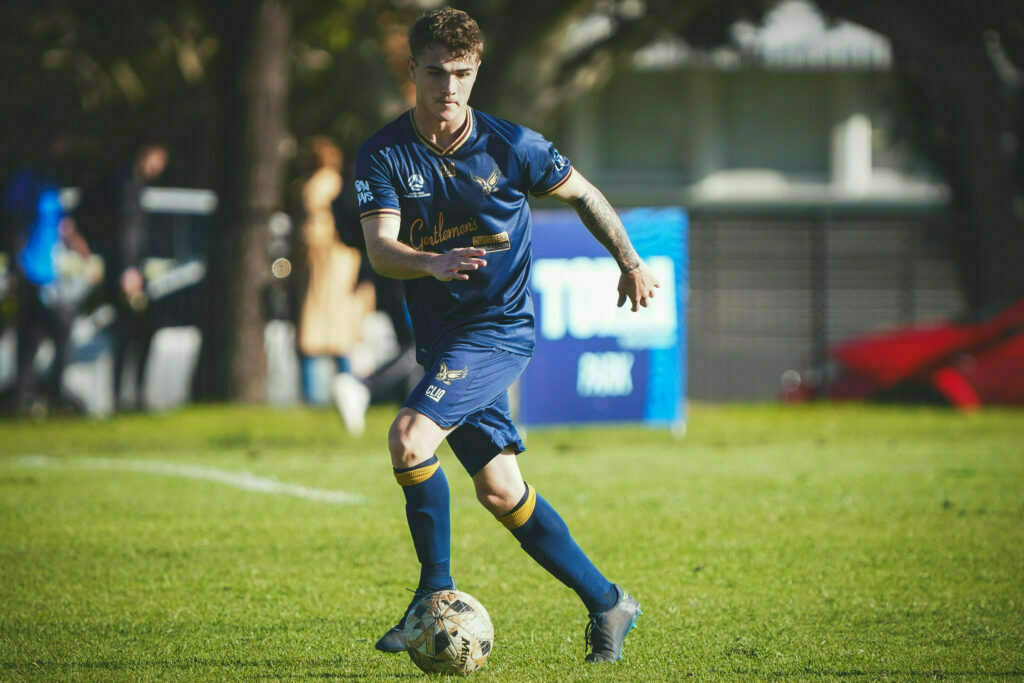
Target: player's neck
[439,131]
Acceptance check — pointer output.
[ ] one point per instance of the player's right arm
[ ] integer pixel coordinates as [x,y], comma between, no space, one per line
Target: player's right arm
[391,258]
[381,218]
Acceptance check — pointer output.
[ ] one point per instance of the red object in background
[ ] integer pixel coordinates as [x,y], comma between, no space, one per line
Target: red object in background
[969,364]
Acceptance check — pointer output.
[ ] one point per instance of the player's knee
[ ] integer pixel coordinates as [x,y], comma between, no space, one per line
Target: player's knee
[498,500]
[404,449]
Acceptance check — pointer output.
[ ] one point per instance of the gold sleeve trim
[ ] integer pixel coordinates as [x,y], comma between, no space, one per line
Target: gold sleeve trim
[377,212]
[521,515]
[416,476]
[556,185]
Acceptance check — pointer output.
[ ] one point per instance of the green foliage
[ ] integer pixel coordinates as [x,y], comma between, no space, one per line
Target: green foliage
[770,542]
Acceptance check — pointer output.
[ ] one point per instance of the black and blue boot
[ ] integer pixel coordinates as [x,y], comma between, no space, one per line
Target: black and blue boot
[607,631]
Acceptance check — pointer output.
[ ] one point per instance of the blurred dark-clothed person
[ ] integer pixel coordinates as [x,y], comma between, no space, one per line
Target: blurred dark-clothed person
[113,215]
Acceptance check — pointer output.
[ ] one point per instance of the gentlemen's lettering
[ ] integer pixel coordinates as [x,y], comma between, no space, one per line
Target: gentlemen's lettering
[423,238]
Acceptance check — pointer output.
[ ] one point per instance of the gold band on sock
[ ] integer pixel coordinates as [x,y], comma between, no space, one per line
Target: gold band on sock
[416,475]
[521,515]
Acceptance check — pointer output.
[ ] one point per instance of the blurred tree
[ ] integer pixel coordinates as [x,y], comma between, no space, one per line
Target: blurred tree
[961,66]
[253,90]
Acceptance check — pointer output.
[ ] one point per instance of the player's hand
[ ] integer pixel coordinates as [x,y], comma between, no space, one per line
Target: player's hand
[452,264]
[638,286]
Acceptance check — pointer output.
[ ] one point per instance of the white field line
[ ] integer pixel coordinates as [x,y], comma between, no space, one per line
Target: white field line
[241,480]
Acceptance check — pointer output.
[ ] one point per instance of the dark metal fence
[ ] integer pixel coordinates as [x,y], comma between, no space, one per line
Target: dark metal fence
[769,294]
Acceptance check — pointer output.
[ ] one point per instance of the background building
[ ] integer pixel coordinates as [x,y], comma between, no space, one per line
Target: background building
[810,221]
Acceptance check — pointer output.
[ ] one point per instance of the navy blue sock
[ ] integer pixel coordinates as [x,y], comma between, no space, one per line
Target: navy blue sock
[544,536]
[426,509]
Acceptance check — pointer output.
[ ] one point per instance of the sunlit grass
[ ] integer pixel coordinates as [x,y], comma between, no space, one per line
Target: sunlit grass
[771,541]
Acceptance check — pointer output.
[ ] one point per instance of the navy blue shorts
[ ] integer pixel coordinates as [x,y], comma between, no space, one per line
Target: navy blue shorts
[467,385]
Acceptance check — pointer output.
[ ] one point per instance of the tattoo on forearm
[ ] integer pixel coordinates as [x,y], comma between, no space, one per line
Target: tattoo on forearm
[604,224]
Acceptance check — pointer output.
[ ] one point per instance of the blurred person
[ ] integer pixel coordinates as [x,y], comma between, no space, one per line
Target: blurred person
[333,303]
[128,244]
[393,379]
[39,235]
[443,191]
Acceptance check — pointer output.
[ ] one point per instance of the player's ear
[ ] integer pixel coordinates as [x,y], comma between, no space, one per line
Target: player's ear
[412,69]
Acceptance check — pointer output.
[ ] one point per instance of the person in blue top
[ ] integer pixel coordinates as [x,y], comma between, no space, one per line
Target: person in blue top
[443,195]
[38,229]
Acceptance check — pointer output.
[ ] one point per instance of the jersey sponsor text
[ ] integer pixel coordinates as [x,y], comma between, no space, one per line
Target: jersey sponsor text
[499,242]
[421,240]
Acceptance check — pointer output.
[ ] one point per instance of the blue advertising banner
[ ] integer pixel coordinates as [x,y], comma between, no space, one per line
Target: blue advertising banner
[595,362]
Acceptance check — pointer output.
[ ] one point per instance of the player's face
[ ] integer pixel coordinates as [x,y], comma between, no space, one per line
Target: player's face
[443,82]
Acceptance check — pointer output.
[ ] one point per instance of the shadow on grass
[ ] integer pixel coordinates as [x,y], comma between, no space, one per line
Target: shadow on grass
[266,667]
[878,673]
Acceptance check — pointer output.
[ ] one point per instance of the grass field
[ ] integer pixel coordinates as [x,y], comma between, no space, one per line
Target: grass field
[770,542]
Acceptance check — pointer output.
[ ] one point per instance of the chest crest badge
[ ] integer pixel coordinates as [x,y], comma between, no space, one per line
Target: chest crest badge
[445,375]
[488,184]
[447,168]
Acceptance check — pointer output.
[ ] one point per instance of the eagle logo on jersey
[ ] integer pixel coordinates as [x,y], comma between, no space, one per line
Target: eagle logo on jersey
[445,375]
[488,184]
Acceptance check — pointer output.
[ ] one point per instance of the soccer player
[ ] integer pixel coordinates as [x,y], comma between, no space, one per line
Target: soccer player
[443,200]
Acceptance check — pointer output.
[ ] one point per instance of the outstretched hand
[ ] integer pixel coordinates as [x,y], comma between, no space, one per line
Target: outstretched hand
[451,264]
[638,286]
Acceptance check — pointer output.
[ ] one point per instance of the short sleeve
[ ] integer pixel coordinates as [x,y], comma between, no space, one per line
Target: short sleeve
[546,170]
[374,190]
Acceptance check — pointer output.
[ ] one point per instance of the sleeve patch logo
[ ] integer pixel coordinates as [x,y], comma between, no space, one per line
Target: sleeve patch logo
[558,160]
[363,192]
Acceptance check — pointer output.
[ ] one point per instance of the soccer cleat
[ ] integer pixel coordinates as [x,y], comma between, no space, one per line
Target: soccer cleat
[607,631]
[394,639]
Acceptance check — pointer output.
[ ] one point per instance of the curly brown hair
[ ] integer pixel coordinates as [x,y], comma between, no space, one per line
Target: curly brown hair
[453,29]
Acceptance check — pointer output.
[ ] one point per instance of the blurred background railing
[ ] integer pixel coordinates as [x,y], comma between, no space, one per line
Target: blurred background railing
[769,294]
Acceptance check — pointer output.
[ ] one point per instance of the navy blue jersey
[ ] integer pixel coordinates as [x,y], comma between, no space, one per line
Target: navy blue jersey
[472,194]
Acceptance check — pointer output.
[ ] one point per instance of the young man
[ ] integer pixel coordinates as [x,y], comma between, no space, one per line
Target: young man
[443,199]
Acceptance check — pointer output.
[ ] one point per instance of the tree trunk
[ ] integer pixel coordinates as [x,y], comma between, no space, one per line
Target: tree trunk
[253,89]
[264,97]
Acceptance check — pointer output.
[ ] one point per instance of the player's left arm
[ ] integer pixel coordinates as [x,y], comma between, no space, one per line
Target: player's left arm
[637,282]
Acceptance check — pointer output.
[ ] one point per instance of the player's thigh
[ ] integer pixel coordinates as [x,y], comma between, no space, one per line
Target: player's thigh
[413,438]
[484,434]
[499,485]
[463,380]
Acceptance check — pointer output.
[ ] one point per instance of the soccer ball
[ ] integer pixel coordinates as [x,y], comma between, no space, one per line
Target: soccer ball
[449,632]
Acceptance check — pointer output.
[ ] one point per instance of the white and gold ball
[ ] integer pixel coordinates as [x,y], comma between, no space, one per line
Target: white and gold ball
[449,632]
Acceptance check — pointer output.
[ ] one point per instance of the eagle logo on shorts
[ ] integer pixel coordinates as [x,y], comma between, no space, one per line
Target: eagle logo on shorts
[488,184]
[445,375]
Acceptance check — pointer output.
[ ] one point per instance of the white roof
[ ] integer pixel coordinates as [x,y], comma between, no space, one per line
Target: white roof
[794,36]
